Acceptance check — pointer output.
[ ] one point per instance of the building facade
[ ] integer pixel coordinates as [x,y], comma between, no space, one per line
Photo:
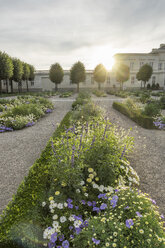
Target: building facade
[156,59]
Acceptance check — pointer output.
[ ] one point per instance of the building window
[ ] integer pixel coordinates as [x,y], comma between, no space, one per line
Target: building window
[4,83]
[151,64]
[32,83]
[153,80]
[131,65]
[132,80]
[141,64]
[160,66]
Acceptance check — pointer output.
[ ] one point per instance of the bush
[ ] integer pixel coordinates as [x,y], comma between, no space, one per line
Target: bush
[157,87]
[142,120]
[151,109]
[82,98]
[153,86]
[162,102]
[133,221]
[148,86]
[144,97]
[99,93]
[66,94]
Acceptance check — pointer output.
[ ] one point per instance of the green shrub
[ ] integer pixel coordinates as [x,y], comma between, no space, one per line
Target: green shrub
[148,86]
[162,102]
[144,97]
[151,109]
[133,222]
[66,94]
[142,120]
[99,93]
[82,98]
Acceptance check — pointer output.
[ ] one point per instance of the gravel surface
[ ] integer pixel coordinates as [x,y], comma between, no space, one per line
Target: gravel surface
[148,158]
[20,149]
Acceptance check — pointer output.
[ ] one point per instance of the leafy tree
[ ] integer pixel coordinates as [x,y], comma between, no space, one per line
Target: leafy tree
[77,74]
[56,74]
[17,72]
[144,73]
[122,73]
[6,68]
[26,74]
[31,75]
[100,75]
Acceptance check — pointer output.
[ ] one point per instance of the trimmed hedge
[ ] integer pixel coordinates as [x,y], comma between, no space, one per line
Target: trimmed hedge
[26,203]
[142,120]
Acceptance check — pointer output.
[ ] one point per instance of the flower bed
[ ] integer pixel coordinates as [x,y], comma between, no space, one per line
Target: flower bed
[78,194]
[23,112]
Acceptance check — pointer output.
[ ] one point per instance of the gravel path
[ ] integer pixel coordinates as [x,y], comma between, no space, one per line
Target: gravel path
[148,158]
[20,149]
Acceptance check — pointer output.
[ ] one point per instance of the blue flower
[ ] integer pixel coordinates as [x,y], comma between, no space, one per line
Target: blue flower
[96,241]
[103,206]
[65,244]
[138,214]
[129,223]
[53,237]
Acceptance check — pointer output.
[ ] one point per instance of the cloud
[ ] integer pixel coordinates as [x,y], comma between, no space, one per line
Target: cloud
[40,31]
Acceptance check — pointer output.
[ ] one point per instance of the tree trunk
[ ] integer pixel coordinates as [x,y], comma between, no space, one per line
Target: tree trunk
[11,85]
[7,89]
[77,87]
[0,86]
[56,87]
[27,86]
[144,85]
[99,86]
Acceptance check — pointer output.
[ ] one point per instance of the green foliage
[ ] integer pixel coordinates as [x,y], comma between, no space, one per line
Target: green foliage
[100,74]
[162,102]
[144,73]
[77,74]
[31,74]
[56,74]
[82,98]
[144,97]
[6,66]
[152,109]
[122,72]
[99,93]
[17,70]
[66,94]
[142,120]
[110,230]
[26,71]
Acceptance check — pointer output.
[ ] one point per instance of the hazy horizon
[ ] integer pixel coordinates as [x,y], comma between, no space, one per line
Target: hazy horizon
[45,32]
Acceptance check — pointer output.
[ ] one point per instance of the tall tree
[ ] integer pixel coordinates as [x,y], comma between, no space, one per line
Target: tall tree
[77,74]
[100,75]
[122,72]
[144,73]
[26,74]
[31,75]
[56,74]
[6,68]
[17,73]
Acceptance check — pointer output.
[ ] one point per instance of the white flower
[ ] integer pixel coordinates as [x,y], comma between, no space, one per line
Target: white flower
[110,189]
[52,211]
[43,204]
[62,219]
[95,186]
[60,206]
[55,217]
[86,194]
[82,183]
[55,224]
[101,188]
[65,204]
[130,179]
[77,223]
[71,218]
[77,191]
[122,167]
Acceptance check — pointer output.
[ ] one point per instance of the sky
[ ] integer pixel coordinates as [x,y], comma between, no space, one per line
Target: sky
[43,32]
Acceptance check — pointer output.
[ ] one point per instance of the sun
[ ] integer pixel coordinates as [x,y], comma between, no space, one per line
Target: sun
[103,55]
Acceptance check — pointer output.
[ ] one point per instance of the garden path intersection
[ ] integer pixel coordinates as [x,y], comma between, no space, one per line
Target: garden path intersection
[20,149]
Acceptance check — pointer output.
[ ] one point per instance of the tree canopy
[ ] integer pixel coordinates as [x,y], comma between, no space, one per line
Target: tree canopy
[122,73]
[100,74]
[144,73]
[77,74]
[56,74]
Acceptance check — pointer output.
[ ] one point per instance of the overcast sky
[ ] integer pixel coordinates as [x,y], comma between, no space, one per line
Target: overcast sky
[42,32]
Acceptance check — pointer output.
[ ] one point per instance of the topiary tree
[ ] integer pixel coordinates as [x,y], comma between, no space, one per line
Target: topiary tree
[122,73]
[31,75]
[100,75]
[17,72]
[77,74]
[26,74]
[56,74]
[144,73]
[6,68]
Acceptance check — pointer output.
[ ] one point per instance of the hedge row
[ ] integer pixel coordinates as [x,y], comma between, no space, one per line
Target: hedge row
[142,120]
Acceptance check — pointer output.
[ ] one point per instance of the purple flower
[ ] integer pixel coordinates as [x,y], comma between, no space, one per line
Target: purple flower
[70,205]
[72,236]
[103,196]
[162,216]
[129,223]
[65,244]
[153,201]
[113,203]
[83,202]
[70,227]
[51,245]
[49,111]
[89,203]
[138,214]
[94,203]
[96,241]
[69,200]
[127,207]
[78,230]
[96,209]
[103,206]
[53,237]
[61,237]
[76,207]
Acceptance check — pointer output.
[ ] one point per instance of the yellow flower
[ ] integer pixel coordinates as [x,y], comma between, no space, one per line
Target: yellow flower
[84,188]
[90,170]
[63,184]
[97,179]
[55,179]
[57,192]
[89,180]
[107,244]
[51,198]
[114,245]
[103,219]
[141,231]
[91,176]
